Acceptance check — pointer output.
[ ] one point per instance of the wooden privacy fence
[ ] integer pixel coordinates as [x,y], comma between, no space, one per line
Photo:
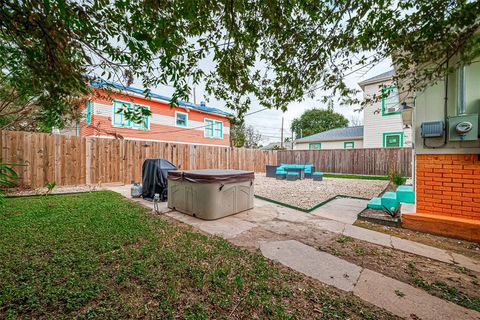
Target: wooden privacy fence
[375,161]
[69,160]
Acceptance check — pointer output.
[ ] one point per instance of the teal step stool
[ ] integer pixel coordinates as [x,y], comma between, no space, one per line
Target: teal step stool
[389,200]
[405,194]
[375,203]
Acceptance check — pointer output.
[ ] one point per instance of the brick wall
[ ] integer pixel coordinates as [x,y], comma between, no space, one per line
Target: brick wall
[448,185]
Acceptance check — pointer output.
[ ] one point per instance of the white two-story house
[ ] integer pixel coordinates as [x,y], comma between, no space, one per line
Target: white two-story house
[382,119]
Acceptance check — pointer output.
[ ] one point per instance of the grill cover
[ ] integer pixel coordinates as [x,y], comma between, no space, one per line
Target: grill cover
[154,176]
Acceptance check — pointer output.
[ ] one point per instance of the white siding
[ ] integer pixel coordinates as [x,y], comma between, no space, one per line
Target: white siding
[329,145]
[375,124]
[107,111]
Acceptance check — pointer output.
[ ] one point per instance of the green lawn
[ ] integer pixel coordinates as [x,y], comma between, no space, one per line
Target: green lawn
[99,256]
[354,176]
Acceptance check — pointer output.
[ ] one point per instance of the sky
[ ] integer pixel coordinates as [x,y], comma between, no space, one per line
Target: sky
[269,122]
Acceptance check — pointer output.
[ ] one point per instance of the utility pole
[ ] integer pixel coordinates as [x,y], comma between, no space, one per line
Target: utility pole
[281,136]
[292,140]
[194,96]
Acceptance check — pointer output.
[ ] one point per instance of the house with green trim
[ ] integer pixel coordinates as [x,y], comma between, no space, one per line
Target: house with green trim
[382,119]
[382,122]
[338,138]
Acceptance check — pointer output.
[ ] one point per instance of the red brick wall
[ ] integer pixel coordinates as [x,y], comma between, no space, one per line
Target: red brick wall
[448,185]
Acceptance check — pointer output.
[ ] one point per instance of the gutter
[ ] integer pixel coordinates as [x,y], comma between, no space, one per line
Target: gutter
[184,104]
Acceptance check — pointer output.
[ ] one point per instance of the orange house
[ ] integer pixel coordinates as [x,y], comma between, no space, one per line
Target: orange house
[185,123]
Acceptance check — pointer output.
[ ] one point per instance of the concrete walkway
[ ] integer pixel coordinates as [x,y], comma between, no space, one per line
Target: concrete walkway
[397,297]
[335,216]
[271,228]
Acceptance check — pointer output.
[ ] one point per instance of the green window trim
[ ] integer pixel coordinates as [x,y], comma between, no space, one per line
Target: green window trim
[177,118]
[315,146]
[384,91]
[387,134]
[118,119]
[208,133]
[213,128]
[218,129]
[88,113]
[145,125]
[349,143]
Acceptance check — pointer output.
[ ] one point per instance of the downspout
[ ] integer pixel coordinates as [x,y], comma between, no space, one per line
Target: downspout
[445,106]
[445,112]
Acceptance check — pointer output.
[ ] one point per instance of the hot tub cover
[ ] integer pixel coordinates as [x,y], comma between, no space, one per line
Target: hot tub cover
[212,176]
[154,176]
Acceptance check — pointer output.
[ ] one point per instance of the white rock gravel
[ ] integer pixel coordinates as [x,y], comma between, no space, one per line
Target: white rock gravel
[307,193]
[56,190]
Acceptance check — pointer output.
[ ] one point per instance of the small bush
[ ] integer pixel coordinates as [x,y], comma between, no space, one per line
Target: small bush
[395,177]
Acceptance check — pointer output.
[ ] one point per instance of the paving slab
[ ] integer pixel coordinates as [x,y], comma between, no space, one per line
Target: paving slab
[316,264]
[258,214]
[370,236]
[338,213]
[405,301]
[421,250]
[227,227]
[466,262]
[350,202]
[342,209]
[292,215]
[329,225]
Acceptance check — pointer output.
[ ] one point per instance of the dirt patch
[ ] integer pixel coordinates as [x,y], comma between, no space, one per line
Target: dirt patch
[443,280]
[467,248]
[307,193]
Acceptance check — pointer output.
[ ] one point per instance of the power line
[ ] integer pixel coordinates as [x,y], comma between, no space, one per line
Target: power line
[193,128]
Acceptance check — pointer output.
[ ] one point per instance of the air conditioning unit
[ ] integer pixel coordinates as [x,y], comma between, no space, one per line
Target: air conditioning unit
[391,109]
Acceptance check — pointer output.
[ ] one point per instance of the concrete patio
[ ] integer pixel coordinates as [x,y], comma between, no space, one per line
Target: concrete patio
[288,236]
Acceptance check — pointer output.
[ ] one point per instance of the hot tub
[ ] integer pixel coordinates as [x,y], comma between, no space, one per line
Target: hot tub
[210,194]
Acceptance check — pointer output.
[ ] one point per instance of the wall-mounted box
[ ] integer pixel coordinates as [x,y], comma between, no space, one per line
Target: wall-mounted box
[463,127]
[432,129]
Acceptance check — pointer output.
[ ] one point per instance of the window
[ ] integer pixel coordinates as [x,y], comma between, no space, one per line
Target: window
[209,128]
[145,124]
[390,101]
[315,146]
[349,145]
[218,129]
[88,113]
[213,129]
[119,119]
[393,140]
[181,119]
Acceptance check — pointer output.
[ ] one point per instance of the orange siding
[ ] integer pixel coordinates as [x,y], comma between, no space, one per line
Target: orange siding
[100,125]
[448,185]
[156,132]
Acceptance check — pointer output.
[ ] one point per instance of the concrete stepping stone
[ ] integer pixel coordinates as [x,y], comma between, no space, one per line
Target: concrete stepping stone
[379,238]
[227,227]
[405,301]
[421,250]
[466,262]
[313,263]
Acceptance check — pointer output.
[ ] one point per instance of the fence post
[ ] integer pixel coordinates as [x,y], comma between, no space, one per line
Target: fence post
[88,162]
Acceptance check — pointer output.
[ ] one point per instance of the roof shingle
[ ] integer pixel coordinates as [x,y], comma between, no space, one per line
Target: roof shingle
[334,135]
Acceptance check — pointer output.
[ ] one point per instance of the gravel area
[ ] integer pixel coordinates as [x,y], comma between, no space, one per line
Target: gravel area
[56,190]
[307,193]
